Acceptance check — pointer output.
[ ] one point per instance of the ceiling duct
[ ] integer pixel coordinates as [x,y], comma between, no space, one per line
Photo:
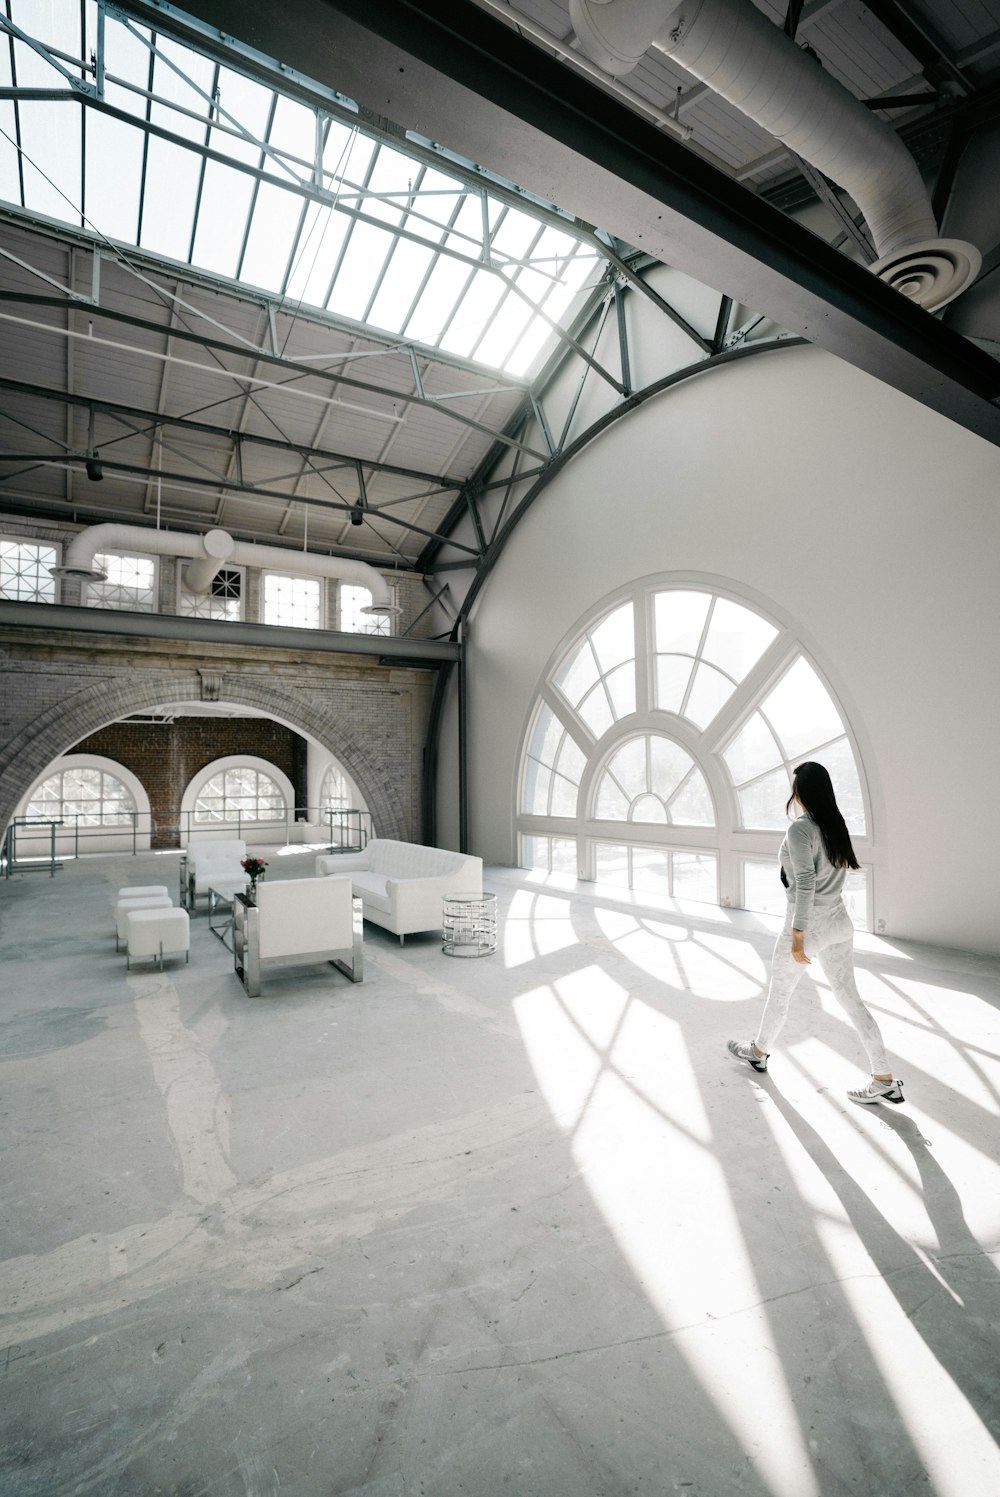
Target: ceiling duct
[206,554]
[736,51]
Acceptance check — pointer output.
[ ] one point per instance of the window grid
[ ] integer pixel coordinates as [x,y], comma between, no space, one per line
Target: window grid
[224,599]
[735,773]
[293,602]
[90,797]
[24,572]
[353,620]
[130,584]
[239,794]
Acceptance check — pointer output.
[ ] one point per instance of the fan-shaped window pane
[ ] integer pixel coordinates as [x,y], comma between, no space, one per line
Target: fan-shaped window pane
[614,638]
[546,793]
[800,711]
[563,797]
[571,761]
[546,737]
[612,804]
[736,638]
[668,765]
[596,711]
[629,767]
[673,672]
[692,805]
[578,674]
[648,808]
[762,804]
[753,751]
[838,758]
[680,621]
[711,690]
[621,688]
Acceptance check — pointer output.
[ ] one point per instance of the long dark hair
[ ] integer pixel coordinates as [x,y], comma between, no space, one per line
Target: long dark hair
[814,788]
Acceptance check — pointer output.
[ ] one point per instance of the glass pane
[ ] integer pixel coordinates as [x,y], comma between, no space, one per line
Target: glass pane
[168,216]
[406,271]
[222,213]
[577,675]
[710,691]
[669,763]
[762,804]
[596,712]
[680,619]
[563,797]
[621,688]
[736,638]
[856,897]
[800,711]
[753,751]
[614,638]
[571,761]
[692,805]
[611,864]
[672,675]
[838,758]
[762,888]
[359,270]
[628,766]
[563,855]
[695,877]
[295,602]
[650,870]
[648,808]
[612,805]
[25,574]
[546,737]
[272,230]
[113,195]
[536,788]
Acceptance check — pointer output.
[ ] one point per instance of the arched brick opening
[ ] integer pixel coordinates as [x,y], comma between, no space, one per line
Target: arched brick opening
[55,730]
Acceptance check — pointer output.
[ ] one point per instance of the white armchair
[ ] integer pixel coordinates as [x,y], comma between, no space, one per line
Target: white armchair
[208,863]
[294,922]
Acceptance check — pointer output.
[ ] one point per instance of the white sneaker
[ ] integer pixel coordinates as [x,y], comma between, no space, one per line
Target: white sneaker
[748,1053]
[878,1091]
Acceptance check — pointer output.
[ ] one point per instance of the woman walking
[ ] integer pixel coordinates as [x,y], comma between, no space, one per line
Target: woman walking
[814,859]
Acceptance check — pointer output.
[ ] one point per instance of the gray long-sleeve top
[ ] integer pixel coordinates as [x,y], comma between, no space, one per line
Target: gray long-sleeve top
[812,878]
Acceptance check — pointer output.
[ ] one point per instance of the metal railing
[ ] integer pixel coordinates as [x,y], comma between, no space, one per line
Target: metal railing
[31,843]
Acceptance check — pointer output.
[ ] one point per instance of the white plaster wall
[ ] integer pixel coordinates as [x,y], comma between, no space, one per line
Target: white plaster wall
[869,521]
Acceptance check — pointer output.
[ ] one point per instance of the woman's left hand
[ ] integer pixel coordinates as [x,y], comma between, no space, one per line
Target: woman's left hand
[799,948]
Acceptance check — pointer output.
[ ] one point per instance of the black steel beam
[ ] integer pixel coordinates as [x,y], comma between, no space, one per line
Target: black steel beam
[58,618]
[460,76]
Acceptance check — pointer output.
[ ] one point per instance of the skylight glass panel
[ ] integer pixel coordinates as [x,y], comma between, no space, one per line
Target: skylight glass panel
[225,202]
[438,200]
[396,295]
[246,105]
[476,307]
[317,255]
[466,234]
[359,270]
[498,340]
[445,284]
[112,197]
[293,131]
[168,214]
[273,227]
[53,24]
[50,138]
[514,235]
[347,155]
[172,61]
[395,174]
[125,57]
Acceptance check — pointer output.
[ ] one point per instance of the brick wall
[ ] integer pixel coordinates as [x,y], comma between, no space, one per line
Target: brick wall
[166,757]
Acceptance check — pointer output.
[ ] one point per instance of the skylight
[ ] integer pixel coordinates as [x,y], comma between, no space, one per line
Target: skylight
[188,159]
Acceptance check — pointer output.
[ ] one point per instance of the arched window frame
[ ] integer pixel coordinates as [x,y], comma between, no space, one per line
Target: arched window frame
[234,761]
[105,837]
[734,845]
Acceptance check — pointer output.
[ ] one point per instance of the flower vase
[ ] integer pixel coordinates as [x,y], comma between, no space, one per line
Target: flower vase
[251,894]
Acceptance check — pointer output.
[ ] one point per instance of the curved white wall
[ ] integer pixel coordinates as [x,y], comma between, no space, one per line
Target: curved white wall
[869,521]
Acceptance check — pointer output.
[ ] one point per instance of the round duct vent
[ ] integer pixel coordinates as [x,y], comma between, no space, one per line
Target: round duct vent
[931,273]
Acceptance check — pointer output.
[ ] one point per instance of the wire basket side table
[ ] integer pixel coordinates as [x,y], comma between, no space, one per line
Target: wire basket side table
[469,924]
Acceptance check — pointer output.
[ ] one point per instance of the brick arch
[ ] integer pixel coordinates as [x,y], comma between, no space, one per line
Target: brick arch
[49,735]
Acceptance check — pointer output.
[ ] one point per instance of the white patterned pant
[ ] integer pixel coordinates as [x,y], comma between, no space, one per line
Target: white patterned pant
[830,939]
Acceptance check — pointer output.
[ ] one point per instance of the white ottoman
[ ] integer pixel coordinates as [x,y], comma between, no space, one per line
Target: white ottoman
[140,891]
[155,932]
[141,902]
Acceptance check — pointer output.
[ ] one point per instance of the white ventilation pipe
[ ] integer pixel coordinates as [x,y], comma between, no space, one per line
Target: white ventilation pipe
[735,50]
[206,554]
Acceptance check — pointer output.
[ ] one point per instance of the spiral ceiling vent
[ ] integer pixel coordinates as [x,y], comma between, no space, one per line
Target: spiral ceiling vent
[931,273]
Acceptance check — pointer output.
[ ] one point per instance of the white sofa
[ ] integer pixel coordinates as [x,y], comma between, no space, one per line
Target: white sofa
[208,863]
[402,884]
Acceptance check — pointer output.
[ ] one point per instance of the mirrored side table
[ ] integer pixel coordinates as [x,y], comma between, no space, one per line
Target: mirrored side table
[469,924]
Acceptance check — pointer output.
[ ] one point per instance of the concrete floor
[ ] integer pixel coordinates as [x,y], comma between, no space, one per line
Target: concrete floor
[512,1226]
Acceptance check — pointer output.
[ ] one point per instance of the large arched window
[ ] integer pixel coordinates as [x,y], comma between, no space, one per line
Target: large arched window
[100,804]
[91,796]
[660,749]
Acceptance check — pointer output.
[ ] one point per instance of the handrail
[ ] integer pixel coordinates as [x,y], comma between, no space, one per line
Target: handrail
[26,846]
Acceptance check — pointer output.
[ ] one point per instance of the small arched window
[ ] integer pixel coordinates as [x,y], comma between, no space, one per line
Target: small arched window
[89,796]
[239,793]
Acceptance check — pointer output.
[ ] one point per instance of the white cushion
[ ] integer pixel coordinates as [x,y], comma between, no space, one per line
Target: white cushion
[125,907]
[230,849]
[148,932]
[373,889]
[299,916]
[140,891]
